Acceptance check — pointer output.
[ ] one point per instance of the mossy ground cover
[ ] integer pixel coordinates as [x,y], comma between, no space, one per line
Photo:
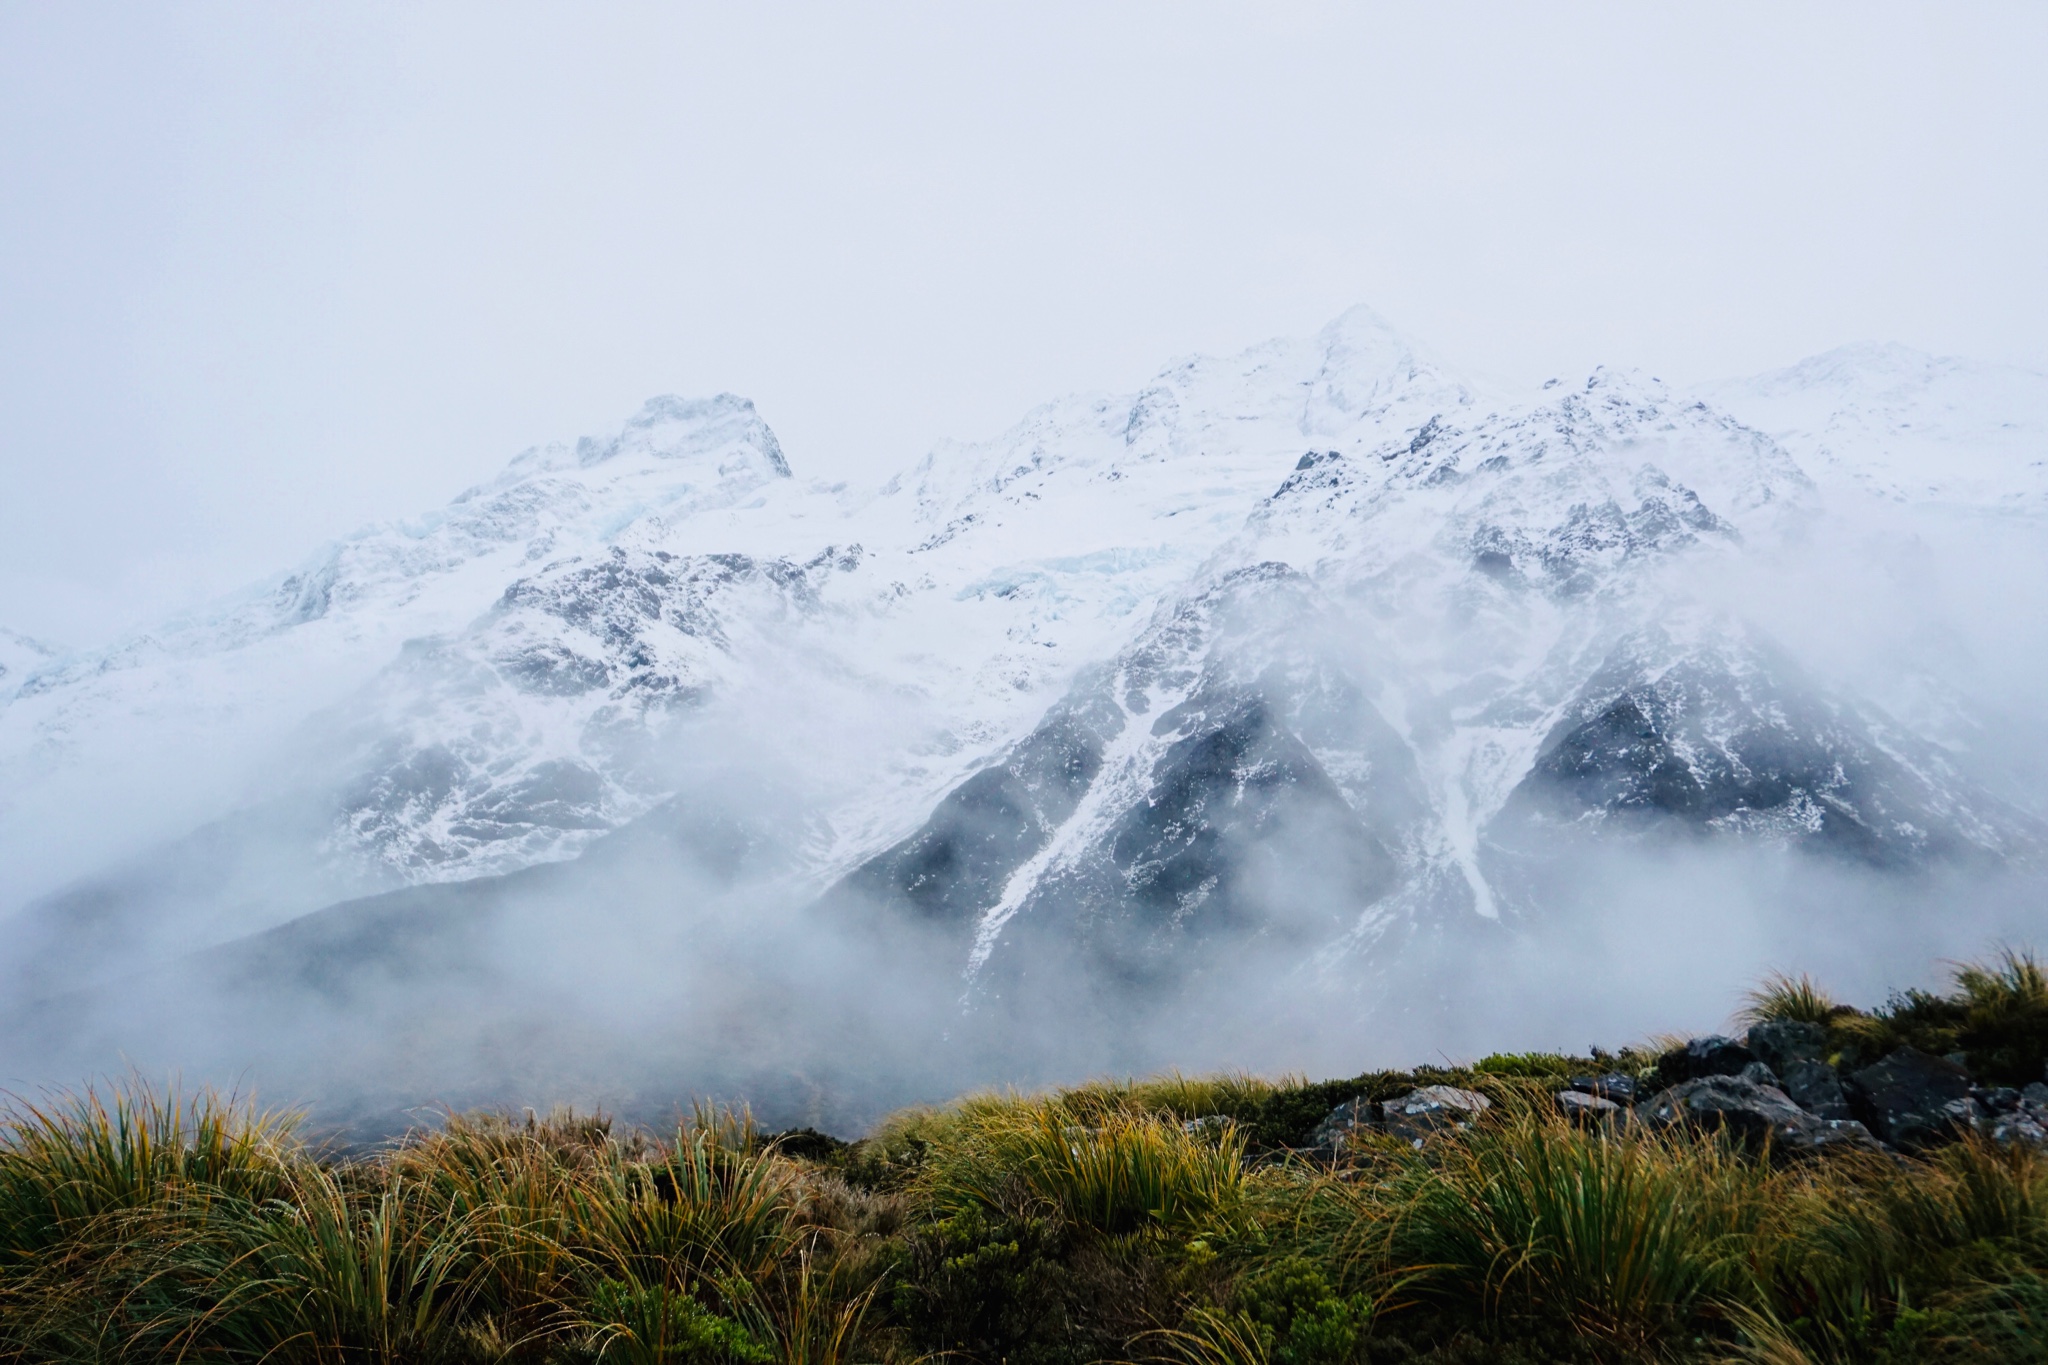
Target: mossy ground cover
[1174,1219]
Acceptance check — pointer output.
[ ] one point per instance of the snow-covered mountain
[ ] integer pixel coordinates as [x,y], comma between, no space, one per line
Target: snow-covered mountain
[1419,666]
[1906,426]
[487,680]
[1308,653]
[20,656]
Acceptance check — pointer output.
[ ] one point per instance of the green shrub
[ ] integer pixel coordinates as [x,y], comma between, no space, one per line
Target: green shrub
[990,1288]
[658,1324]
[1529,1065]
[1301,1318]
[1997,1017]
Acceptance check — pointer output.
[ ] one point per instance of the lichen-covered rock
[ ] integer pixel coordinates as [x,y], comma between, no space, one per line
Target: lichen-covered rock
[1912,1100]
[1421,1113]
[1343,1125]
[2026,1125]
[1712,1055]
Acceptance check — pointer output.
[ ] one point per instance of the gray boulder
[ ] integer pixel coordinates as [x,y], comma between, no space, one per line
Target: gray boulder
[1343,1125]
[2025,1124]
[1614,1085]
[1780,1042]
[1912,1100]
[1709,1056]
[1420,1114]
[1584,1109]
[1755,1115]
[2023,1120]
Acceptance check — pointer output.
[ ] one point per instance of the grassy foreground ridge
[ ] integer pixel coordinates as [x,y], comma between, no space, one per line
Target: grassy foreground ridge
[1211,1221]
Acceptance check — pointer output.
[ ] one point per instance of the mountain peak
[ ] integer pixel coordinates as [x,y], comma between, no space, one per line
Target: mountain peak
[1367,365]
[1361,327]
[669,427]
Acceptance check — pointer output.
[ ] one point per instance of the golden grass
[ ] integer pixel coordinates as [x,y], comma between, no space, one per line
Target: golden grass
[143,1224]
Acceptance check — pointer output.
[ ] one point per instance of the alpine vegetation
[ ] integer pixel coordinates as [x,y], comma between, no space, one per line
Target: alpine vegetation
[1698,1201]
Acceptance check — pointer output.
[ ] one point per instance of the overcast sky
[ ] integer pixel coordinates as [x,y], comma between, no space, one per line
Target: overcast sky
[273,271]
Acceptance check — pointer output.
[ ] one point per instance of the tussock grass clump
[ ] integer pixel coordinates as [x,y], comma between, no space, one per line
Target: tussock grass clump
[73,1158]
[1868,1254]
[1528,1065]
[1795,999]
[1623,1236]
[1093,1165]
[713,1203]
[2005,1023]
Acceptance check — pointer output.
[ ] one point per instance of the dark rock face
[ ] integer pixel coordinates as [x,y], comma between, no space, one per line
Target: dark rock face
[613,605]
[1756,1073]
[1912,1100]
[624,642]
[1780,1042]
[1713,1055]
[1756,1115]
[956,867]
[1237,817]
[1817,1088]
[1793,1049]
[1195,817]
[1217,829]
[1729,738]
